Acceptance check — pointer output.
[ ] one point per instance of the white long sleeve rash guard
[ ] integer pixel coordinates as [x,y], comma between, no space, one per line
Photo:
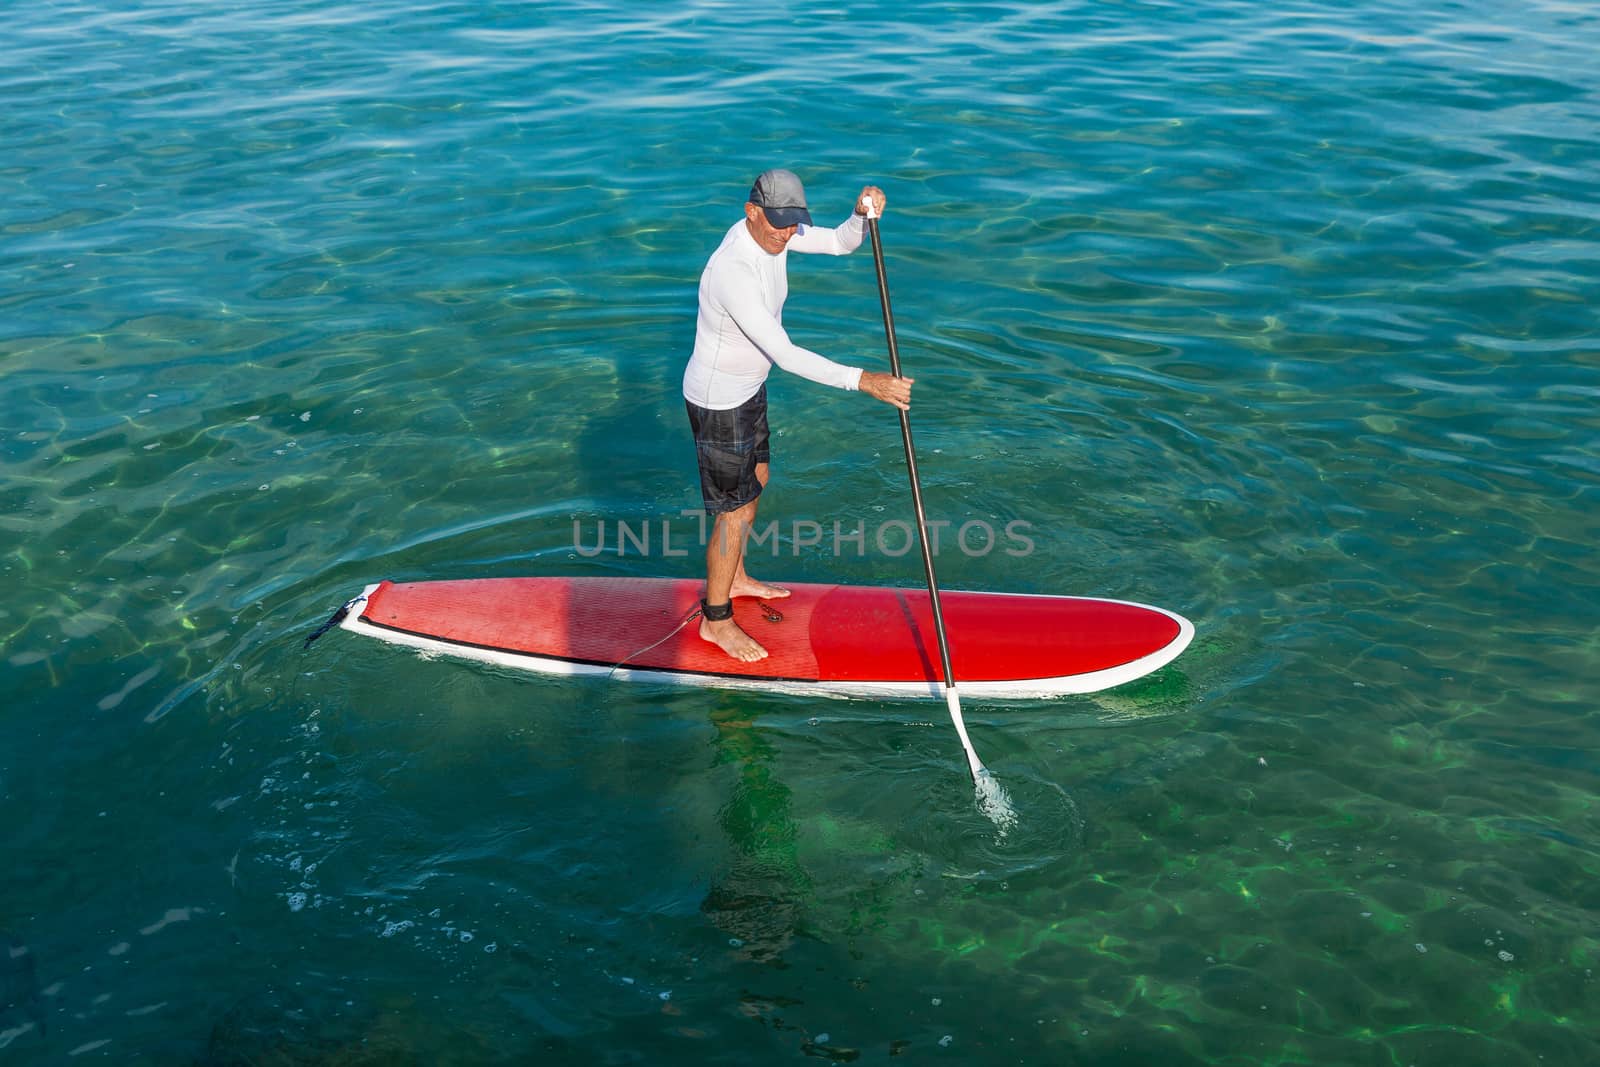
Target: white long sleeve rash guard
[739,334]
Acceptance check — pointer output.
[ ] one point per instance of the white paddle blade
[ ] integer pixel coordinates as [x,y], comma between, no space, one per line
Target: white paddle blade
[992,799]
[953,703]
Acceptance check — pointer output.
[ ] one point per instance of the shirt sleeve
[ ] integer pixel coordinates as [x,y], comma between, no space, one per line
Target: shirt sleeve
[738,291]
[841,240]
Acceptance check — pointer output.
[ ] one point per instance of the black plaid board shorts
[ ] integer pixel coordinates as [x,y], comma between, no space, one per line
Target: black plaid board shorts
[728,445]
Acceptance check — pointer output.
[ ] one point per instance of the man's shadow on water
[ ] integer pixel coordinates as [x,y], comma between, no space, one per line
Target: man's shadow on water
[634,456]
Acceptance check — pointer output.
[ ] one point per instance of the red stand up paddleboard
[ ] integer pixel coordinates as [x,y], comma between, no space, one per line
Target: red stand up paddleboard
[837,640]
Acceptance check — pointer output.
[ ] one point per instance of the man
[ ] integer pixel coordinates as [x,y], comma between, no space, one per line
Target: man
[738,337]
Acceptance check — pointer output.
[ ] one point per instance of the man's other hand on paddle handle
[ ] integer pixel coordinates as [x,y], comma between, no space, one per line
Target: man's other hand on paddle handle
[877,200]
[887,388]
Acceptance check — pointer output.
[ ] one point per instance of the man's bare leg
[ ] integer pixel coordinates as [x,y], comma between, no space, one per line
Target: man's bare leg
[724,560]
[743,584]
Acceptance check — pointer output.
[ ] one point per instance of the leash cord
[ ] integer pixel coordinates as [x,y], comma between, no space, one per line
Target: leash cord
[685,621]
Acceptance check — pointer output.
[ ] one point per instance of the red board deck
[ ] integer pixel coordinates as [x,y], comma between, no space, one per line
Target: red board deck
[834,639]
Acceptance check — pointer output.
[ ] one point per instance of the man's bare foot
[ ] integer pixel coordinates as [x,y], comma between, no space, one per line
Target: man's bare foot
[727,635]
[744,585]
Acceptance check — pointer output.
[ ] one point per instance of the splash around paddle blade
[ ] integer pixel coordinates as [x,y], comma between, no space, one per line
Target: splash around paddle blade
[993,801]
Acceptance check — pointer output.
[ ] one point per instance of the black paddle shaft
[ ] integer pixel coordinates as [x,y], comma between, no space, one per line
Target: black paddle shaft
[911,459]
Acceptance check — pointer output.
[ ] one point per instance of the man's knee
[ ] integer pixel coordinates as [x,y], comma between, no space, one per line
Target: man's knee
[731,527]
[743,515]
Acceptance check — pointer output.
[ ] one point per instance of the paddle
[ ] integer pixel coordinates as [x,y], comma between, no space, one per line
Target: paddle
[991,798]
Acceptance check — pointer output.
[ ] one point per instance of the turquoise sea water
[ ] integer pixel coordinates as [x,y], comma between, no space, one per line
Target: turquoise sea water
[1281,316]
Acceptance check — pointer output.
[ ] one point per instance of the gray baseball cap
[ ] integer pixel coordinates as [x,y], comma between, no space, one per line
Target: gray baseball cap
[779,194]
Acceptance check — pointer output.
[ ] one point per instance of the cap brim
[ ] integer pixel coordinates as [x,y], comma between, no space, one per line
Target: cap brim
[783,217]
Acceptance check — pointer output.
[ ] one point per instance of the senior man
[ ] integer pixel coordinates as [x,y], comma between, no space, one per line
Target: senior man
[739,336]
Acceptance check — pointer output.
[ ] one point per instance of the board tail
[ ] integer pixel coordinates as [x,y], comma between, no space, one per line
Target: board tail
[337,617]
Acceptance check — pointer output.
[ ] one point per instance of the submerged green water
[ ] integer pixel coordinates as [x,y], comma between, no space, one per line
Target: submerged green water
[1281,317]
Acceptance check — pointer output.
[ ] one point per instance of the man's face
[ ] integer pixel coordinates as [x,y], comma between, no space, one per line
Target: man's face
[771,238]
